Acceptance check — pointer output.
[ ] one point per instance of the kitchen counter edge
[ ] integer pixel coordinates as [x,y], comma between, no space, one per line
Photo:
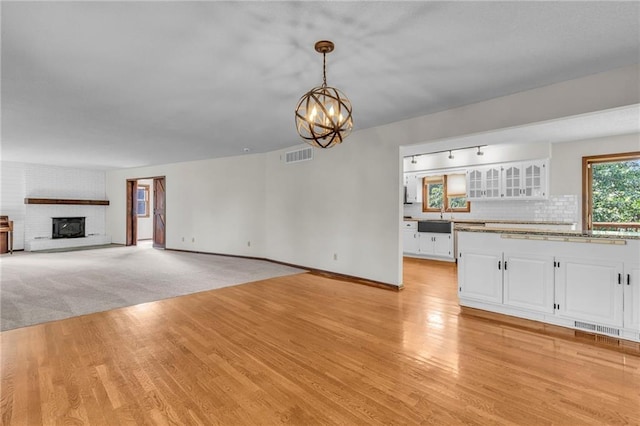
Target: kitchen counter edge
[551,233]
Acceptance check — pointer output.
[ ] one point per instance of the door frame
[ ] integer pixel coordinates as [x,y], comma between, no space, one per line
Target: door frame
[131,218]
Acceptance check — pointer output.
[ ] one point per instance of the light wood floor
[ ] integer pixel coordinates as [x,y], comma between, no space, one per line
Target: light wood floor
[304,350]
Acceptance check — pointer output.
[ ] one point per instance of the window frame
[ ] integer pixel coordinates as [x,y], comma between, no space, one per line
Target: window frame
[145,188]
[587,183]
[445,198]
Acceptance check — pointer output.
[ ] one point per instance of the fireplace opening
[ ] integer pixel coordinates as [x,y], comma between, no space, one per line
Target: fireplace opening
[68,227]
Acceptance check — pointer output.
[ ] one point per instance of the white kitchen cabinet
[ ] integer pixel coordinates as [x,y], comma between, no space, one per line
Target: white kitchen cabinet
[414,188]
[594,284]
[435,244]
[590,290]
[631,283]
[480,275]
[529,282]
[410,241]
[524,180]
[535,179]
[483,183]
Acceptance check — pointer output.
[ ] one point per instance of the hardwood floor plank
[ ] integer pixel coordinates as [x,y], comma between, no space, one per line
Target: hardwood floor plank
[308,349]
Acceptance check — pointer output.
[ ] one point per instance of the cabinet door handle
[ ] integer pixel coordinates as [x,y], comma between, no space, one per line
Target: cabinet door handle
[505,265]
[499,264]
[619,278]
[628,279]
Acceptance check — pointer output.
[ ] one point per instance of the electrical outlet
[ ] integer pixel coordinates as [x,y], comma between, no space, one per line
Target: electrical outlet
[335,256]
[248,243]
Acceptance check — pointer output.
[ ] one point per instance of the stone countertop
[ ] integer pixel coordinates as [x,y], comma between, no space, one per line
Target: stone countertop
[483,221]
[616,235]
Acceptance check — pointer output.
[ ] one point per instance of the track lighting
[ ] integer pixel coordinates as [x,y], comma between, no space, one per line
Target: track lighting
[479,152]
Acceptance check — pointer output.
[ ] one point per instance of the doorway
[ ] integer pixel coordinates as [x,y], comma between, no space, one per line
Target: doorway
[146,211]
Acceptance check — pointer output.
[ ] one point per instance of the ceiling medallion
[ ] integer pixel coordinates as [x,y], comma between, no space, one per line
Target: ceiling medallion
[323,114]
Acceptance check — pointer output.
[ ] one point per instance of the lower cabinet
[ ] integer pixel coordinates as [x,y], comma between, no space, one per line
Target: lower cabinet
[588,286]
[631,282]
[528,282]
[410,242]
[480,276]
[427,244]
[435,244]
[590,290]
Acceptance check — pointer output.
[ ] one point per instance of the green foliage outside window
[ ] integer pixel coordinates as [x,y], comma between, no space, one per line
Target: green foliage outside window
[435,195]
[616,191]
[435,192]
[457,202]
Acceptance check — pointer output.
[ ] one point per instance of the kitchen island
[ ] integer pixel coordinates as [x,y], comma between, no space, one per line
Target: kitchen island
[587,281]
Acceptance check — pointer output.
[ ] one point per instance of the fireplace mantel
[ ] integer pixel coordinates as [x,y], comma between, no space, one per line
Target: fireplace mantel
[66,201]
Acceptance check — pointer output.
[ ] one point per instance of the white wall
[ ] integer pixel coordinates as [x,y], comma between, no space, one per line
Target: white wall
[12,194]
[63,182]
[348,199]
[145,224]
[23,180]
[217,206]
[566,163]
[345,202]
[567,159]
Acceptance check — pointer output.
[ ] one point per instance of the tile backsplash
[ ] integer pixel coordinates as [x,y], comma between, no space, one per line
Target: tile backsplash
[557,208]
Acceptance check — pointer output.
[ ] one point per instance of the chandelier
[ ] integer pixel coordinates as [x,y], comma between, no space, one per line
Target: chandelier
[323,114]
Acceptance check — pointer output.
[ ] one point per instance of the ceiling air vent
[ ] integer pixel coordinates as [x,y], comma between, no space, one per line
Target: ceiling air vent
[298,155]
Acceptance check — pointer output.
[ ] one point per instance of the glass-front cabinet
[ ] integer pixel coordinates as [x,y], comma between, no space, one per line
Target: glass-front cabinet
[517,180]
[525,180]
[483,183]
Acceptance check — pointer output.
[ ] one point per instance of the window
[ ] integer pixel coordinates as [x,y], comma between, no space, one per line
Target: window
[611,192]
[445,193]
[143,201]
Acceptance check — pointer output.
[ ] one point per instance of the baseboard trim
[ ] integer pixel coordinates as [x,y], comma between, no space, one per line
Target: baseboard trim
[356,280]
[314,271]
[594,339]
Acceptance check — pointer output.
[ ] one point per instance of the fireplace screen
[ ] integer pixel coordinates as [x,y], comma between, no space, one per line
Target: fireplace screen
[68,227]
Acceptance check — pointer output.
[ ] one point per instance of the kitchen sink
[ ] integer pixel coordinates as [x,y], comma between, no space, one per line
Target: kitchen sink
[438,226]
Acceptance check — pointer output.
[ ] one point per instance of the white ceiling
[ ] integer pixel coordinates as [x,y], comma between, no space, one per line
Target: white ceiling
[126,84]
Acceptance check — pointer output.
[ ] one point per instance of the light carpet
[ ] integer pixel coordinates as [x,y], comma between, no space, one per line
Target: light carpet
[41,287]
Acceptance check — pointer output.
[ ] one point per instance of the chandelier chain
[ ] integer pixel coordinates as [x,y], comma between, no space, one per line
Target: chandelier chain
[324,70]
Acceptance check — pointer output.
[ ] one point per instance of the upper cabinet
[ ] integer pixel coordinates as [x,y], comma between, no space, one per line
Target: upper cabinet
[525,180]
[483,183]
[413,183]
[521,180]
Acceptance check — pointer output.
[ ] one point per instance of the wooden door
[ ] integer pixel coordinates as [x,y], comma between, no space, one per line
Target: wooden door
[159,217]
[132,213]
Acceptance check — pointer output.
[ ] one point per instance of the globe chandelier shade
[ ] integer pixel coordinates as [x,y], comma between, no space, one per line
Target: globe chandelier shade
[323,115]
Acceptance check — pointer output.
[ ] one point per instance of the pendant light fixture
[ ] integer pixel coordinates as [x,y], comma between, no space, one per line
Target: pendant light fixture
[323,114]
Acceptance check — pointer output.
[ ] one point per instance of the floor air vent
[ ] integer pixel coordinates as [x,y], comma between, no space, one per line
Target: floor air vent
[597,328]
[304,154]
